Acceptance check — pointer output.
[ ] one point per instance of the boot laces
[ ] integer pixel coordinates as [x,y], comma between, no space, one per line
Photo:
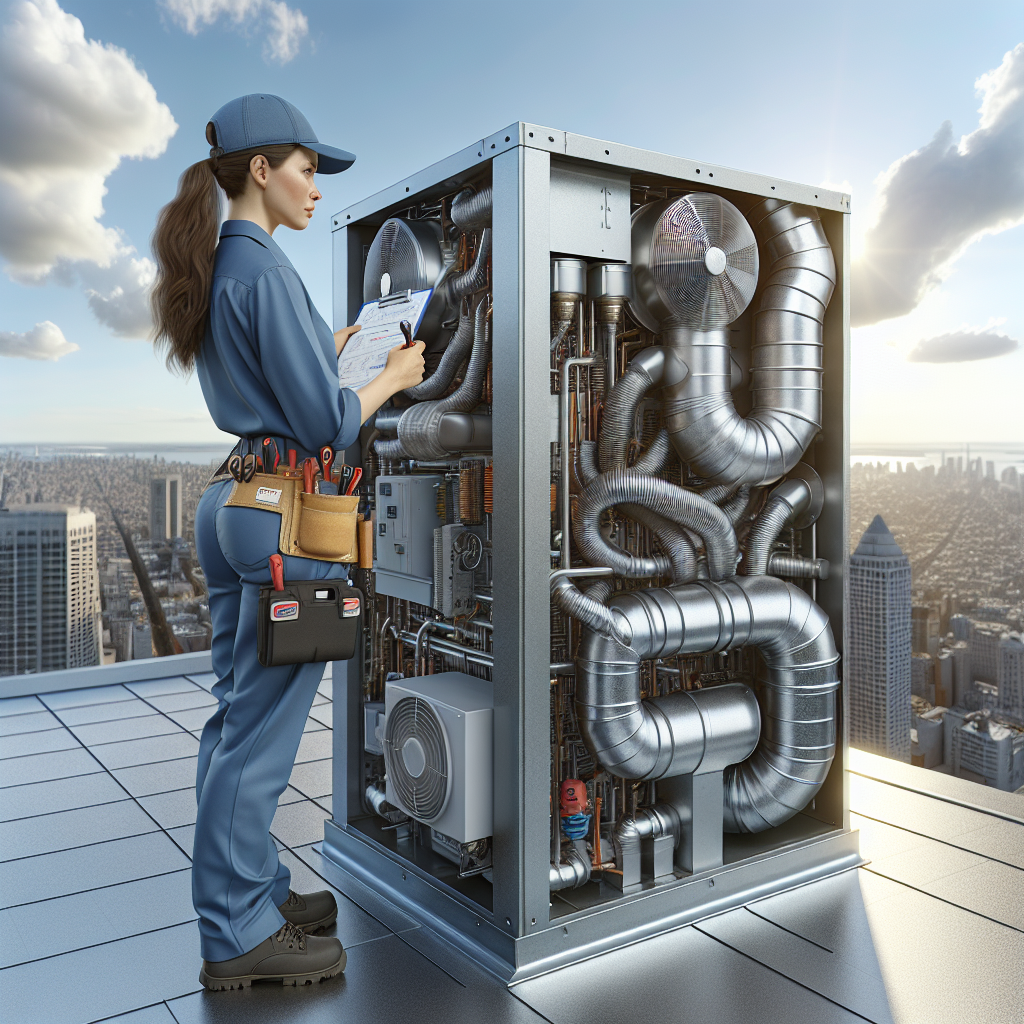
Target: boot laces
[294,899]
[291,936]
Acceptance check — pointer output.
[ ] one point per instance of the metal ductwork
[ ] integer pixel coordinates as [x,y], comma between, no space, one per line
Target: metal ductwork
[672,735]
[695,372]
[433,430]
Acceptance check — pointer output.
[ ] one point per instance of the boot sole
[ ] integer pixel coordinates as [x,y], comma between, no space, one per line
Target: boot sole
[245,980]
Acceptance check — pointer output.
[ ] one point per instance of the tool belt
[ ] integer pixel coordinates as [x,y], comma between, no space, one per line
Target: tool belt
[320,526]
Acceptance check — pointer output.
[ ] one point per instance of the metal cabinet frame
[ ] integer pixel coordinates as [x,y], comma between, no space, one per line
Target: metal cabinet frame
[518,940]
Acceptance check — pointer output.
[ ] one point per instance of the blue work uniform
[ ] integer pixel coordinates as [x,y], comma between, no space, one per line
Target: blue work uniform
[267,367]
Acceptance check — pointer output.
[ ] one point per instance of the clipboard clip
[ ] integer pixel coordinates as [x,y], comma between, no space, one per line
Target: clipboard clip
[395,299]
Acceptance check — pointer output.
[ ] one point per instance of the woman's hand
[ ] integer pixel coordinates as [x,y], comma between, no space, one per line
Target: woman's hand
[342,336]
[404,369]
[405,366]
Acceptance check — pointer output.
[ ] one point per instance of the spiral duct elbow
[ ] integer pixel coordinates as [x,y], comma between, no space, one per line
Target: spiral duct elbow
[785,503]
[793,724]
[454,356]
[458,286]
[786,367]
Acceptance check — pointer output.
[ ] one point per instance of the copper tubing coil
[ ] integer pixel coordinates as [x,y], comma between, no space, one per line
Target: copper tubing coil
[489,488]
[471,498]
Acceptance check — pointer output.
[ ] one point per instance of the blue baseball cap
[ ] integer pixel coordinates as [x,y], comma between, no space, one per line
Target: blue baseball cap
[264,120]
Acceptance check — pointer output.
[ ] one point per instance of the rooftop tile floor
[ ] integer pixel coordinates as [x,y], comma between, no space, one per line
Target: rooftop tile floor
[96,921]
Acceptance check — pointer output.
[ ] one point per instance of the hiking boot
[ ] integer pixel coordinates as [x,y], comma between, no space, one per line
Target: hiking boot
[288,956]
[312,912]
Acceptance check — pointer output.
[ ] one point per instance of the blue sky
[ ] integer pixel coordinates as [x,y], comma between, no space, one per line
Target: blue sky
[821,93]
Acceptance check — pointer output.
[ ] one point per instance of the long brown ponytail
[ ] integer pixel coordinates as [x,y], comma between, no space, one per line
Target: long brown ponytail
[184,244]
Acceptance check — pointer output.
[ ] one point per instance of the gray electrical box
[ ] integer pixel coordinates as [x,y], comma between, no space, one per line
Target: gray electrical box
[406,520]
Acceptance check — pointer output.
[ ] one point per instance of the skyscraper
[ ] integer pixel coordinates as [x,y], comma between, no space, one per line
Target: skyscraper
[164,507]
[1011,675]
[878,649]
[49,589]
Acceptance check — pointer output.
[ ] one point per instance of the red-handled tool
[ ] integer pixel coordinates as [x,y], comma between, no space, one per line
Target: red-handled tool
[277,571]
[292,456]
[406,329]
[357,475]
[326,461]
[308,475]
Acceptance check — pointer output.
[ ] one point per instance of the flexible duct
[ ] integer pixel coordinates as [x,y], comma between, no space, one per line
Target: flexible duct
[471,211]
[786,368]
[671,502]
[454,355]
[797,567]
[785,503]
[673,734]
[420,429]
[586,608]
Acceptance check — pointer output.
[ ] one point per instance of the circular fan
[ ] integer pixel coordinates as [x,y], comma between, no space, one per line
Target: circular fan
[416,758]
[694,263]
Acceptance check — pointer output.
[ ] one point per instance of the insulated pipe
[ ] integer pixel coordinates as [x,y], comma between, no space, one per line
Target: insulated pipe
[420,428]
[649,823]
[674,734]
[471,211]
[787,501]
[677,505]
[797,567]
[457,287]
[786,366]
[376,797]
[440,380]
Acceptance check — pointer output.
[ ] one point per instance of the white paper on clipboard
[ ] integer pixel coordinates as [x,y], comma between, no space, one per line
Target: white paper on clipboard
[366,353]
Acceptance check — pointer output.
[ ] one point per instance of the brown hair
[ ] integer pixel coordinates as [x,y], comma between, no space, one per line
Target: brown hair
[184,244]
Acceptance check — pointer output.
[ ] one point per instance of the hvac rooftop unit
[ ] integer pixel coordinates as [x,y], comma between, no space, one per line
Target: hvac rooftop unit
[438,751]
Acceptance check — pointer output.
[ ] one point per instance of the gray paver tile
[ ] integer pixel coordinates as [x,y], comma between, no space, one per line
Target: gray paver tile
[89,867]
[156,1014]
[20,705]
[58,795]
[207,680]
[36,743]
[123,729]
[171,958]
[112,711]
[78,698]
[313,778]
[100,915]
[315,746]
[62,764]
[146,751]
[39,721]
[172,809]
[299,824]
[324,714]
[63,830]
[196,698]
[192,719]
[162,777]
[156,687]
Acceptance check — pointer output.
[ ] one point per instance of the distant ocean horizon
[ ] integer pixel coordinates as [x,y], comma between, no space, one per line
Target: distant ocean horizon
[921,453]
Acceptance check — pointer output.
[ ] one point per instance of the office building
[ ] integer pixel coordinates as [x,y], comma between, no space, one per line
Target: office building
[984,646]
[924,629]
[878,664]
[922,676]
[960,627]
[983,745]
[1011,675]
[164,508]
[49,589]
[142,640]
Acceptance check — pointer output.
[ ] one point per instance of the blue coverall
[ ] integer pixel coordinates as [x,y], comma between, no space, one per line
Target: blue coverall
[267,367]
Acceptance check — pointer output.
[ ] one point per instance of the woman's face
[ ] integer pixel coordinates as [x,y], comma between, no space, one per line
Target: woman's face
[290,192]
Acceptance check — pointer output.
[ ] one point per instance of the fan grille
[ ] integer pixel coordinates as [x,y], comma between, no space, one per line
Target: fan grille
[423,795]
[684,233]
[397,252]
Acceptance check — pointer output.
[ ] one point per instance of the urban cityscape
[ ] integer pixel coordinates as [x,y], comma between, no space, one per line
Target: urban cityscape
[98,565]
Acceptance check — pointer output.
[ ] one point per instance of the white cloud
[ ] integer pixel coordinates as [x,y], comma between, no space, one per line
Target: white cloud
[962,347]
[45,341]
[71,109]
[119,294]
[285,26]
[933,203]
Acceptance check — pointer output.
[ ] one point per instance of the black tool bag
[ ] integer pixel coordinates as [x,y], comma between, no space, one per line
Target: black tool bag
[308,621]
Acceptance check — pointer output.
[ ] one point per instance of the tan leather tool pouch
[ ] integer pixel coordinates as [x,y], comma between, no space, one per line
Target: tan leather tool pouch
[321,526]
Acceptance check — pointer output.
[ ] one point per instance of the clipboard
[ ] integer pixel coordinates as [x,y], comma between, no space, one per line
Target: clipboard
[366,353]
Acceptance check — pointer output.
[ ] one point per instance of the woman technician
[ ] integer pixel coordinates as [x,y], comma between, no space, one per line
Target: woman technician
[238,312]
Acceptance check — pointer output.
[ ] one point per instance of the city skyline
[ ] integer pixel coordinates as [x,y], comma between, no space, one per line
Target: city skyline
[893,97]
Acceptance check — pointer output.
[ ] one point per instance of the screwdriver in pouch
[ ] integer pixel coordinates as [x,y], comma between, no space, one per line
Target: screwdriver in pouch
[308,475]
[346,478]
[271,456]
[326,486]
[357,475]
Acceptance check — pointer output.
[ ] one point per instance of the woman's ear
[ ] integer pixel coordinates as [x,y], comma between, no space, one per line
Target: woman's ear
[258,170]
